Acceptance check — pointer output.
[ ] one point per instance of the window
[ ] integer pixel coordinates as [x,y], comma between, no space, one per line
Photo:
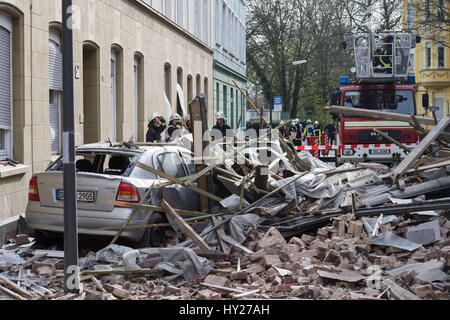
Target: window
[168,9]
[198,19]
[224,27]
[180,13]
[171,164]
[6,115]
[55,86]
[117,93]
[428,8]
[441,10]
[217,97]
[441,56]
[411,16]
[398,101]
[232,107]
[217,22]
[411,62]
[113,95]
[206,20]
[428,55]
[168,81]
[225,102]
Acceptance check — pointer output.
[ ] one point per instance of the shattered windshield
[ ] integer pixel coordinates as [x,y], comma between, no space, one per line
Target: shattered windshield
[395,101]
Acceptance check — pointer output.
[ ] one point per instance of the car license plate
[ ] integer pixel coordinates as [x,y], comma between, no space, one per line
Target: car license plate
[380,151]
[81,196]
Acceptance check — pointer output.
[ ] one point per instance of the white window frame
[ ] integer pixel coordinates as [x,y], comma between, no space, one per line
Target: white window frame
[439,46]
[7,23]
[428,45]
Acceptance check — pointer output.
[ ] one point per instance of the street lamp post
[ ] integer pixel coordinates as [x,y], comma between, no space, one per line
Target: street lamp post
[295,63]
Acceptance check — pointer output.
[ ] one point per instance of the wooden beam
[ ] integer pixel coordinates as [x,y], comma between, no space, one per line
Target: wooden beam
[178,181]
[132,214]
[378,115]
[388,137]
[7,283]
[185,228]
[408,162]
[236,244]
[225,247]
[197,110]
[11,293]
[152,208]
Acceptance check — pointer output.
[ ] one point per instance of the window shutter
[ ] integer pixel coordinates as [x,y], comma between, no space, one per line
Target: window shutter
[5,78]
[55,66]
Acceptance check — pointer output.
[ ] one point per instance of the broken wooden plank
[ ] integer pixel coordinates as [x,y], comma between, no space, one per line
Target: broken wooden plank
[235,243]
[302,165]
[178,181]
[388,137]
[408,162]
[344,275]
[378,115]
[347,205]
[246,294]
[434,165]
[132,214]
[253,205]
[197,109]
[222,287]
[49,254]
[185,228]
[225,248]
[10,285]
[11,293]
[152,208]
[398,292]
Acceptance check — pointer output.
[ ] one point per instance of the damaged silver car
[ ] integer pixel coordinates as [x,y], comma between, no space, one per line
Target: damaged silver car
[109,173]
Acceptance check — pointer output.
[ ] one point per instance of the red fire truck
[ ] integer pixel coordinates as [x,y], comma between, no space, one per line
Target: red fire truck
[382,84]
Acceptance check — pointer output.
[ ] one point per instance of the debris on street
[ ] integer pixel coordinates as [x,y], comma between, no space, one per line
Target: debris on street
[310,231]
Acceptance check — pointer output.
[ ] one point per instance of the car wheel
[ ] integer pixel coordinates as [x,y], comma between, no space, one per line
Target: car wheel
[154,237]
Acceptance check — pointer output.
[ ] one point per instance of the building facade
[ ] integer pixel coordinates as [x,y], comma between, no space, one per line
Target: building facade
[229,35]
[131,58]
[431,59]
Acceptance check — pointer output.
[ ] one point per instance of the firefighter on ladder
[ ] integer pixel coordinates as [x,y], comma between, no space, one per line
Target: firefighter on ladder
[383,58]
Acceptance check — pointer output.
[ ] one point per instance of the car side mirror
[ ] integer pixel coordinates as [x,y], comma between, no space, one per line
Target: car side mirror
[425,101]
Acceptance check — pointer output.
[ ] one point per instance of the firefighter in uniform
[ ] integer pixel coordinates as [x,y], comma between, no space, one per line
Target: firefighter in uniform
[317,131]
[175,126]
[296,133]
[156,127]
[308,130]
[383,61]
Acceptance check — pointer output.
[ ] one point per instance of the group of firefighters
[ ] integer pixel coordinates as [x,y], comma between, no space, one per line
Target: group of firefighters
[299,131]
[158,125]
[302,131]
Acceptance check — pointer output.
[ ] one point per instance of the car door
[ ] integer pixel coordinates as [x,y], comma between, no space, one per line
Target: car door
[171,163]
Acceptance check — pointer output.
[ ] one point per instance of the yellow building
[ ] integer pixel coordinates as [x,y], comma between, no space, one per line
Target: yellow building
[431,63]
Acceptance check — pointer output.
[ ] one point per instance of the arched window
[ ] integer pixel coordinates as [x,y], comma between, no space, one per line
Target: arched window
[139,110]
[117,114]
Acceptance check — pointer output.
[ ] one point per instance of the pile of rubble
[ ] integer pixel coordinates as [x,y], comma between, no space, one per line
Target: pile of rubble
[293,228]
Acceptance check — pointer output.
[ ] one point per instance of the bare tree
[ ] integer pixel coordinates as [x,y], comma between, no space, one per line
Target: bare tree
[433,21]
[280,32]
[380,14]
